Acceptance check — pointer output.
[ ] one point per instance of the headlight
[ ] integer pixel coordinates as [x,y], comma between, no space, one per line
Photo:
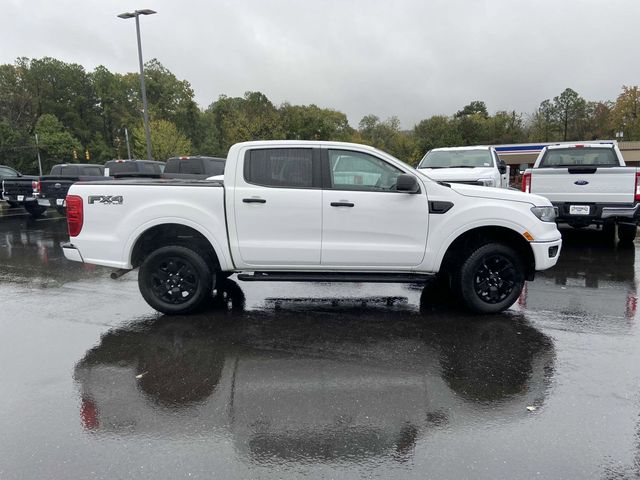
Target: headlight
[546,214]
[487,182]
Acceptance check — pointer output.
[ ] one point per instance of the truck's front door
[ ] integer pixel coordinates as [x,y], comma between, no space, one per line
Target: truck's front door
[366,223]
[277,207]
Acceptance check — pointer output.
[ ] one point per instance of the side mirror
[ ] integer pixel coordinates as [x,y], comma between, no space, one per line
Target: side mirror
[523,167]
[502,167]
[407,183]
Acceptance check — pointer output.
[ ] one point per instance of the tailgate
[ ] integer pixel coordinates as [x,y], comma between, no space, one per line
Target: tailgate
[55,188]
[596,185]
[18,187]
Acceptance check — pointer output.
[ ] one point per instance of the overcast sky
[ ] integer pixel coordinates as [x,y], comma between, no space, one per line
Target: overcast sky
[408,58]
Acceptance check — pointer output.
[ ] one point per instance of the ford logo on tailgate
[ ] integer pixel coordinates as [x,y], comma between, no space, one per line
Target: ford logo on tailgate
[581,182]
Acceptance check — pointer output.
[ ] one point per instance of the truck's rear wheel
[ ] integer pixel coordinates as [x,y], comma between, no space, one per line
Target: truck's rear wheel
[490,279]
[34,209]
[627,232]
[175,280]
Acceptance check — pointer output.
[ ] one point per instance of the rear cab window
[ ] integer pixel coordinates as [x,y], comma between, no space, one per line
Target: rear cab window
[575,157]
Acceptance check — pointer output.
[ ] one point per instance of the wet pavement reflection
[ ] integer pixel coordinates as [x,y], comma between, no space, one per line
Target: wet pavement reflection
[316,380]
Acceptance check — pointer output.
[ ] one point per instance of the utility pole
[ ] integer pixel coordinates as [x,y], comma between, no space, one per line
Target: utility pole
[38,152]
[126,136]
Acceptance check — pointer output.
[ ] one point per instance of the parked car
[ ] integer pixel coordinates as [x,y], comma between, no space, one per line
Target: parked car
[133,168]
[471,165]
[283,214]
[588,184]
[51,190]
[196,167]
[7,172]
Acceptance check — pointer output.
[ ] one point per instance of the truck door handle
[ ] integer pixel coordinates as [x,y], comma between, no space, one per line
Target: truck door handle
[342,204]
[254,200]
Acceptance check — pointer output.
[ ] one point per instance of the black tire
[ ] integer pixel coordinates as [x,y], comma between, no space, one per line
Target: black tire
[627,232]
[34,209]
[175,280]
[490,279]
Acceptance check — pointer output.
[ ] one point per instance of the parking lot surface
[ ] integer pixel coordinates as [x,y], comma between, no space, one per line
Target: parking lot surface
[284,380]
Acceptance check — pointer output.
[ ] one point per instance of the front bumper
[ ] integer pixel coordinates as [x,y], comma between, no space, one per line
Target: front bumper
[71,252]
[546,254]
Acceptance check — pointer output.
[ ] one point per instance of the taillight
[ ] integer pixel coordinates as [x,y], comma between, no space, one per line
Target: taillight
[75,215]
[89,414]
[35,186]
[637,195]
[526,182]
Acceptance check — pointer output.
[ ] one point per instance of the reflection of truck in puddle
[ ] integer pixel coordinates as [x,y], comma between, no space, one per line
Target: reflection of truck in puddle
[589,280]
[297,387]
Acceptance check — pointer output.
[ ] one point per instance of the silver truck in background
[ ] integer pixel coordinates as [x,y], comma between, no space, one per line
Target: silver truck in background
[588,184]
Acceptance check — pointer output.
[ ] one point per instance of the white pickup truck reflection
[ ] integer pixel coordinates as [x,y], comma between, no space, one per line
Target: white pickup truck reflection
[288,384]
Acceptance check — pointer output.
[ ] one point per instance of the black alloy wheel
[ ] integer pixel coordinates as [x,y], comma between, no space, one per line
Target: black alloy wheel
[495,279]
[490,278]
[175,279]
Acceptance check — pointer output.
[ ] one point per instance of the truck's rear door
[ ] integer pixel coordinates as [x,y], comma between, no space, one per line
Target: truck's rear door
[277,206]
[587,174]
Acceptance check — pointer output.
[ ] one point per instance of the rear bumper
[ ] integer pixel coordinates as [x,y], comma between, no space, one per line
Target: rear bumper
[546,254]
[71,252]
[598,212]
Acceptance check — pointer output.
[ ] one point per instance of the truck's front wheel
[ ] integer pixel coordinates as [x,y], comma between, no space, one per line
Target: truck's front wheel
[490,279]
[175,280]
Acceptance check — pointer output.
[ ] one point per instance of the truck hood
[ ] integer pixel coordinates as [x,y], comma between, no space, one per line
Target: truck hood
[458,174]
[500,194]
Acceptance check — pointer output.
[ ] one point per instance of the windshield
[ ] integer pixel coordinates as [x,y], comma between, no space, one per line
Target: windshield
[457,159]
[571,157]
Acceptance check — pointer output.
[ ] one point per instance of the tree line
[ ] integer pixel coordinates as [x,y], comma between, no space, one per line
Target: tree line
[81,115]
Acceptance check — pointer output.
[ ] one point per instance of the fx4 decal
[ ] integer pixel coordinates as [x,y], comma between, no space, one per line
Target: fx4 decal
[106,199]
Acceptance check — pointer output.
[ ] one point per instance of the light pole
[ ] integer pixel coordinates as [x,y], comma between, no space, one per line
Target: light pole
[135,14]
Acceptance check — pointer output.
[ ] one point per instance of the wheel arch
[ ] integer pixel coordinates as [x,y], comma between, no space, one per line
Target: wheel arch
[478,236]
[172,232]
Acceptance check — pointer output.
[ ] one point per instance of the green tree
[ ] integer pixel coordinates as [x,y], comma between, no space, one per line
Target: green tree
[570,112]
[230,120]
[435,132]
[309,122]
[166,141]
[477,107]
[56,143]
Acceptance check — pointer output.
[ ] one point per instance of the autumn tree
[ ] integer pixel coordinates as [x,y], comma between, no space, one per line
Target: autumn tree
[625,114]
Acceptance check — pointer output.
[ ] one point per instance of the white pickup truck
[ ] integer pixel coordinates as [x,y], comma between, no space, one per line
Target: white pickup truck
[312,211]
[479,165]
[588,184]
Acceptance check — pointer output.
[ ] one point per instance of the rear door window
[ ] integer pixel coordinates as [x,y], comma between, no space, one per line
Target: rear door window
[7,172]
[192,166]
[282,167]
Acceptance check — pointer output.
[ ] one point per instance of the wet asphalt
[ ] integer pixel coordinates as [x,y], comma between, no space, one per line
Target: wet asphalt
[286,380]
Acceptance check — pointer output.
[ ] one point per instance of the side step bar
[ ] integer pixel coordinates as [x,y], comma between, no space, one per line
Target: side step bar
[359,277]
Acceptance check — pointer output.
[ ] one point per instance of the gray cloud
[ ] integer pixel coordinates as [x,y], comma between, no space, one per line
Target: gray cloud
[407,58]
